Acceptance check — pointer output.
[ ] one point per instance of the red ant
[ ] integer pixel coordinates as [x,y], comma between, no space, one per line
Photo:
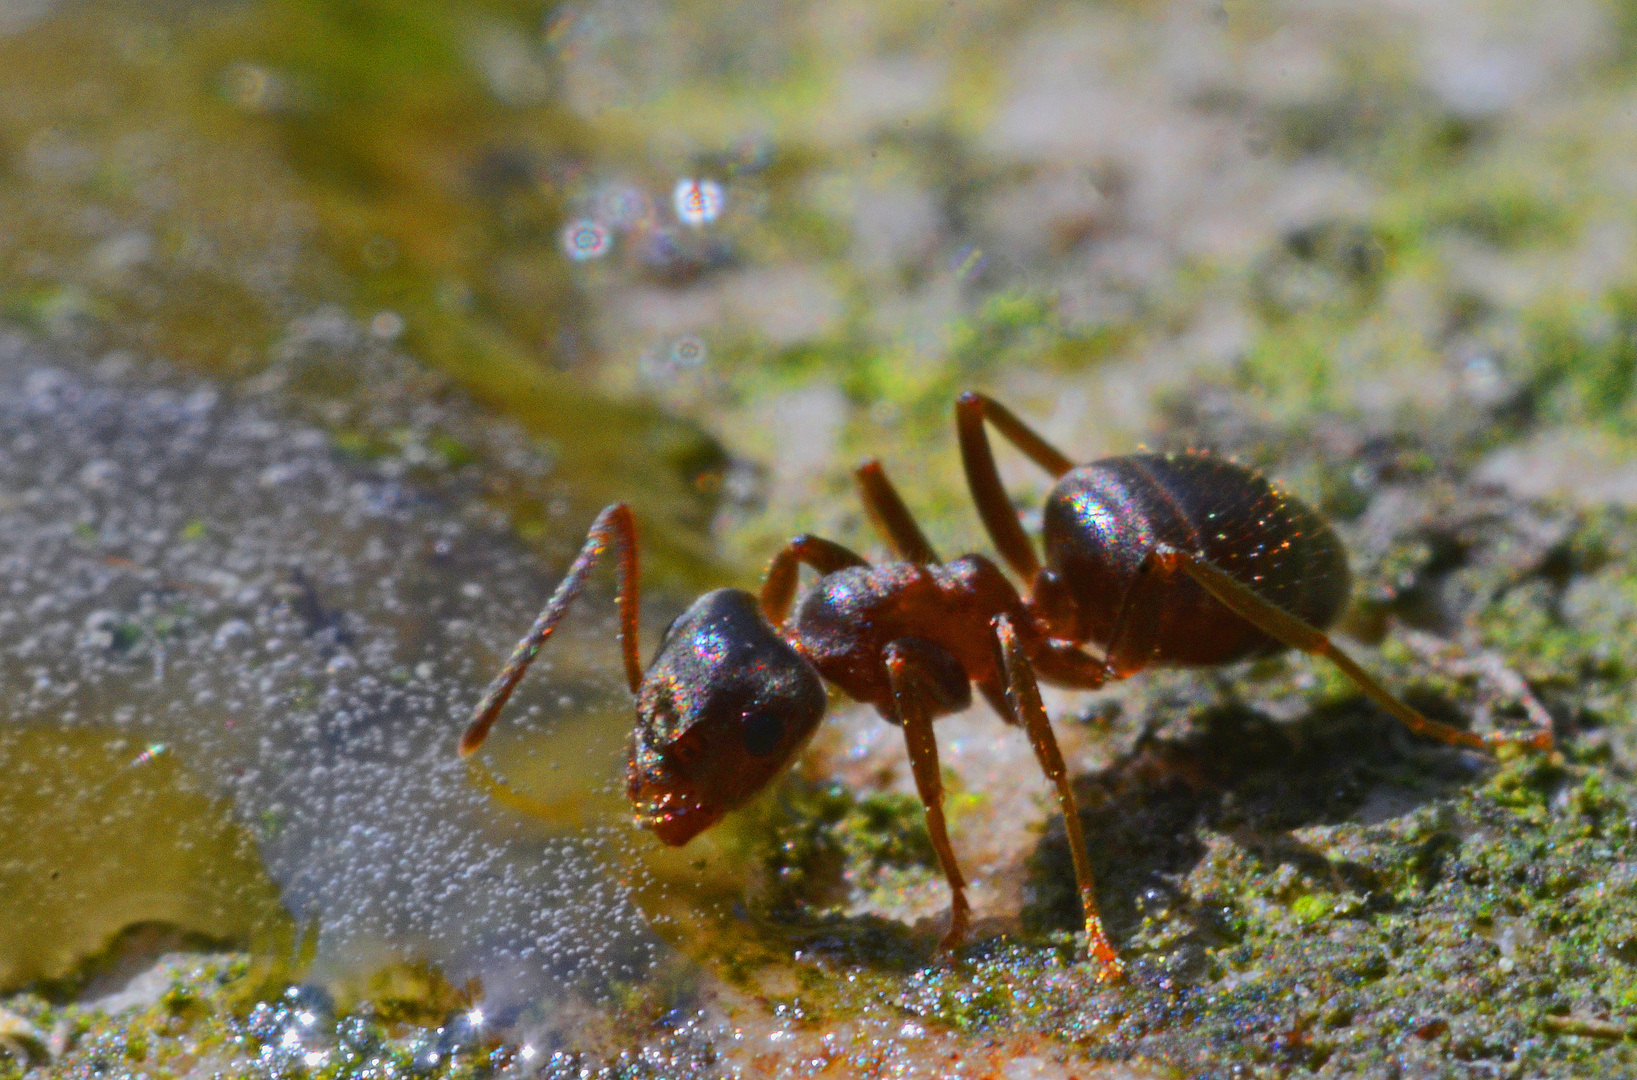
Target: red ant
[1152,557]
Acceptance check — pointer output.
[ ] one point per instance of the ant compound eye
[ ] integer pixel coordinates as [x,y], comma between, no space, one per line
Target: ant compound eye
[762,733]
[685,749]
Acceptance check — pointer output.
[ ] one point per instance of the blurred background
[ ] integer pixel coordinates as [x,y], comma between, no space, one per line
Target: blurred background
[330,325]
[1076,206]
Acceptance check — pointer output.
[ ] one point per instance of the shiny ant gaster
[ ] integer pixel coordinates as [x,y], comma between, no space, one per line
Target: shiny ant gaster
[1157,559]
[1175,559]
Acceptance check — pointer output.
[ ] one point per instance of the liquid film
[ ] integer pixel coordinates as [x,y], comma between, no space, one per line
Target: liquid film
[230,656]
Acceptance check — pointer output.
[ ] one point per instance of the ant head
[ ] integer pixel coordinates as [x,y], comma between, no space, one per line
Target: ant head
[723,708]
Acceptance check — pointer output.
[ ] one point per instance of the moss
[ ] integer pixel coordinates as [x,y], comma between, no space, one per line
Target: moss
[825,842]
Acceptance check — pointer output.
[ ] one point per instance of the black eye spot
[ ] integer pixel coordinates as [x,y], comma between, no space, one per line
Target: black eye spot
[762,732]
[685,748]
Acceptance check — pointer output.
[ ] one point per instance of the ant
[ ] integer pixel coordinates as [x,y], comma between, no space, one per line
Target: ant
[1175,559]
[1155,559]
[737,684]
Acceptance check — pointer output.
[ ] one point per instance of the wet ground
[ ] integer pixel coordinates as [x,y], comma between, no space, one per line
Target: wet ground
[235,668]
[329,327]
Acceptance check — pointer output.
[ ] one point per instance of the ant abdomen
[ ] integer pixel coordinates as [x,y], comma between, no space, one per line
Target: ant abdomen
[1103,520]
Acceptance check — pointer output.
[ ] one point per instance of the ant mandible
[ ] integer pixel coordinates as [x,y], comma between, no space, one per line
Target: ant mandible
[737,685]
[1175,559]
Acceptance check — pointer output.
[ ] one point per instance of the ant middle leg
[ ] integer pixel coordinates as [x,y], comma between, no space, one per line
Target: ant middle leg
[1282,626]
[614,525]
[891,517]
[916,699]
[1023,693]
[983,479]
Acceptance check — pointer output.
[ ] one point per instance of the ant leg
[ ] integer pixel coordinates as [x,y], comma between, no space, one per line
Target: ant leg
[982,478]
[1131,641]
[914,714]
[1069,666]
[891,517]
[1283,626]
[1024,696]
[779,584]
[613,524]
[1503,683]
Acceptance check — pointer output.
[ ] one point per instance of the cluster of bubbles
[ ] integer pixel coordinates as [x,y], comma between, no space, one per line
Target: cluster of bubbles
[299,1035]
[308,635]
[625,209]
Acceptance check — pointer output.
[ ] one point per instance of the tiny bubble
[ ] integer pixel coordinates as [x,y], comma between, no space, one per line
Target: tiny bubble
[585,239]
[688,352]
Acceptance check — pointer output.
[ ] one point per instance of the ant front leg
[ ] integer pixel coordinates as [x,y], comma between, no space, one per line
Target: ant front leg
[916,698]
[999,518]
[779,584]
[1023,694]
[613,525]
[1282,626]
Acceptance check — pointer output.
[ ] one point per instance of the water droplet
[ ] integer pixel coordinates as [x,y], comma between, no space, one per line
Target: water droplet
[698,202]
[586,239]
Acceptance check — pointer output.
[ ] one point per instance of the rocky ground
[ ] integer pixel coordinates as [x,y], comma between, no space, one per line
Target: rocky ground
[1381,250]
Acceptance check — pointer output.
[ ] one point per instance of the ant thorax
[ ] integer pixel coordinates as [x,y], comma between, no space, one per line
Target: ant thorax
[845,622]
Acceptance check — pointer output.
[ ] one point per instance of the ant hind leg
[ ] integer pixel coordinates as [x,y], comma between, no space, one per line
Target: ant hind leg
[1285,627]
[1023,694]
[614,525]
